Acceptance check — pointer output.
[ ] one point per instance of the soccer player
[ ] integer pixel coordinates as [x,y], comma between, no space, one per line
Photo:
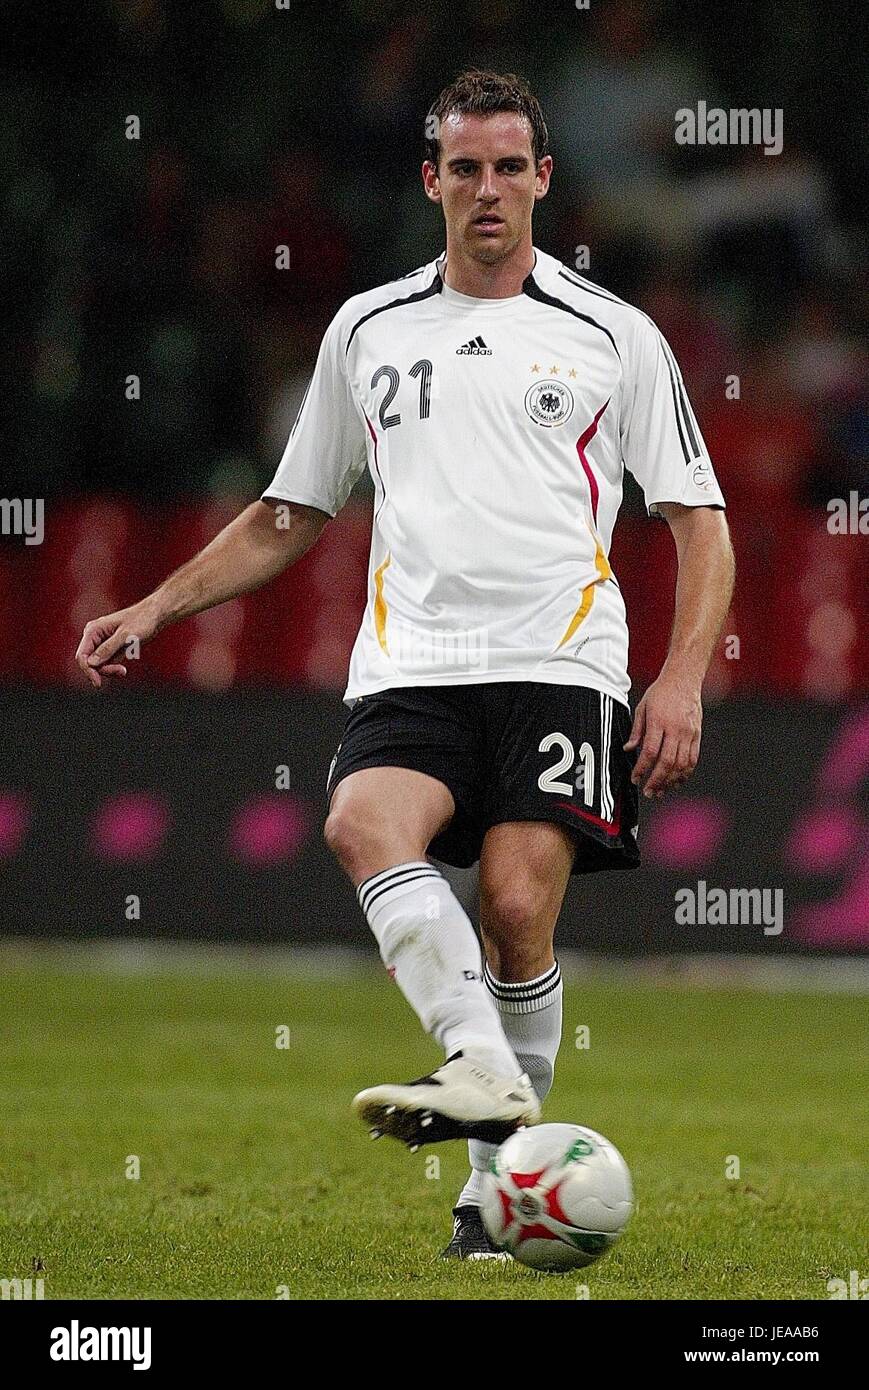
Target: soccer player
[495,397]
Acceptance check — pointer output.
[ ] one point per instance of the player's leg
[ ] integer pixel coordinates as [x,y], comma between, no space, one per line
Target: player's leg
[524,870]
[383,816]
[380,823]
[557,758]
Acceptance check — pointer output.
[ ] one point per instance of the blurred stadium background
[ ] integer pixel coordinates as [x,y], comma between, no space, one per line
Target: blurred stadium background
[155,257]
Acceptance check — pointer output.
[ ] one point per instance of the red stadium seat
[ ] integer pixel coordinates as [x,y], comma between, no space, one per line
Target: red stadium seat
[739,664]
[816,625]
[97,556]
[318,604]
[205,651]
[297,630]
[18,568]
[798,609]
[643,558]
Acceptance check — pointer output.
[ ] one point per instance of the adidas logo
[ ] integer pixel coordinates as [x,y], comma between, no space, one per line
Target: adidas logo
[474,348]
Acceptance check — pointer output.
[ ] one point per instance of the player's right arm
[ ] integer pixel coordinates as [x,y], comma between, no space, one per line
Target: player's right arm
[246,554]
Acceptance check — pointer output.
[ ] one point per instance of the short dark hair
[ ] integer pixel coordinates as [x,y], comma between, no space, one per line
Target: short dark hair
[478,93]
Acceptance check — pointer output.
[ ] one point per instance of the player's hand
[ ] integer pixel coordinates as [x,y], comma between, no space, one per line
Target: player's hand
[104,638]
[666,730]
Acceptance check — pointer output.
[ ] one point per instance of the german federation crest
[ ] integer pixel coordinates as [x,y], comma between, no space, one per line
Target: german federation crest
[549,403]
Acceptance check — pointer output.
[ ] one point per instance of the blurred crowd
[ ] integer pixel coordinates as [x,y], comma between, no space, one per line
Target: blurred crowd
[301,126]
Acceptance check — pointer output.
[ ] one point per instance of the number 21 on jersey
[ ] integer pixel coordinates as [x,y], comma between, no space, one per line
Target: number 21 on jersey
[421,369]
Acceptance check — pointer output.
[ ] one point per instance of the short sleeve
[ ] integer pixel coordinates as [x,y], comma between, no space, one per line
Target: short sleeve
[661,440]
[326,451]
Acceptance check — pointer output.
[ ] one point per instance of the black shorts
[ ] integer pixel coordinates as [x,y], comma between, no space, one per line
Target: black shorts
[507,751]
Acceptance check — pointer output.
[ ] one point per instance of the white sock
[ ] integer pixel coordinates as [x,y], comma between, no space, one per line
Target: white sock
[431,951]
[531,1014]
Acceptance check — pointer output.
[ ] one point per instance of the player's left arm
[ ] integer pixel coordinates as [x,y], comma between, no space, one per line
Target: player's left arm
[667,724]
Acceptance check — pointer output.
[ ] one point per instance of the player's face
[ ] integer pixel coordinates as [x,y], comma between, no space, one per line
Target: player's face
[487,182]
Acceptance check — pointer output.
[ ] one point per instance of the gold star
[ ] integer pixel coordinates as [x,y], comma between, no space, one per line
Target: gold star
[554,371]
[535,368]
[571,372]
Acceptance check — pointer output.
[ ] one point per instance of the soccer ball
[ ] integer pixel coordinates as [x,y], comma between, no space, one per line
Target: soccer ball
[556,1196]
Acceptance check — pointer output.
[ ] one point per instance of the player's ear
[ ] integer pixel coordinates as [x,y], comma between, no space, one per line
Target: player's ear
[430,180]
[544,174]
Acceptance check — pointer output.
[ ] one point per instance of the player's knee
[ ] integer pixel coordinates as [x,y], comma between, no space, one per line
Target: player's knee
[512,909]
[516,931]
[347,832]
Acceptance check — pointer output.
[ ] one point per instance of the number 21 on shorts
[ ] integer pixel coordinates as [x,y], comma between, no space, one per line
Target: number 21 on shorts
[583,764]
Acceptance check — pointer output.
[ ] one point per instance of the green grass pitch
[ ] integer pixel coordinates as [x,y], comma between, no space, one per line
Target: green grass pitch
[254,1177]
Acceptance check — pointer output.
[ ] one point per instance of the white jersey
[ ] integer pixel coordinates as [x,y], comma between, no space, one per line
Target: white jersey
[496,432]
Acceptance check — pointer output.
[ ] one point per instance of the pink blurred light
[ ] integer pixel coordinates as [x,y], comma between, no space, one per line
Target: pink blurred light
[847,759]
[14,821]
[823,839]
[843,922]
[131,827]
[269,830]
[686,835]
